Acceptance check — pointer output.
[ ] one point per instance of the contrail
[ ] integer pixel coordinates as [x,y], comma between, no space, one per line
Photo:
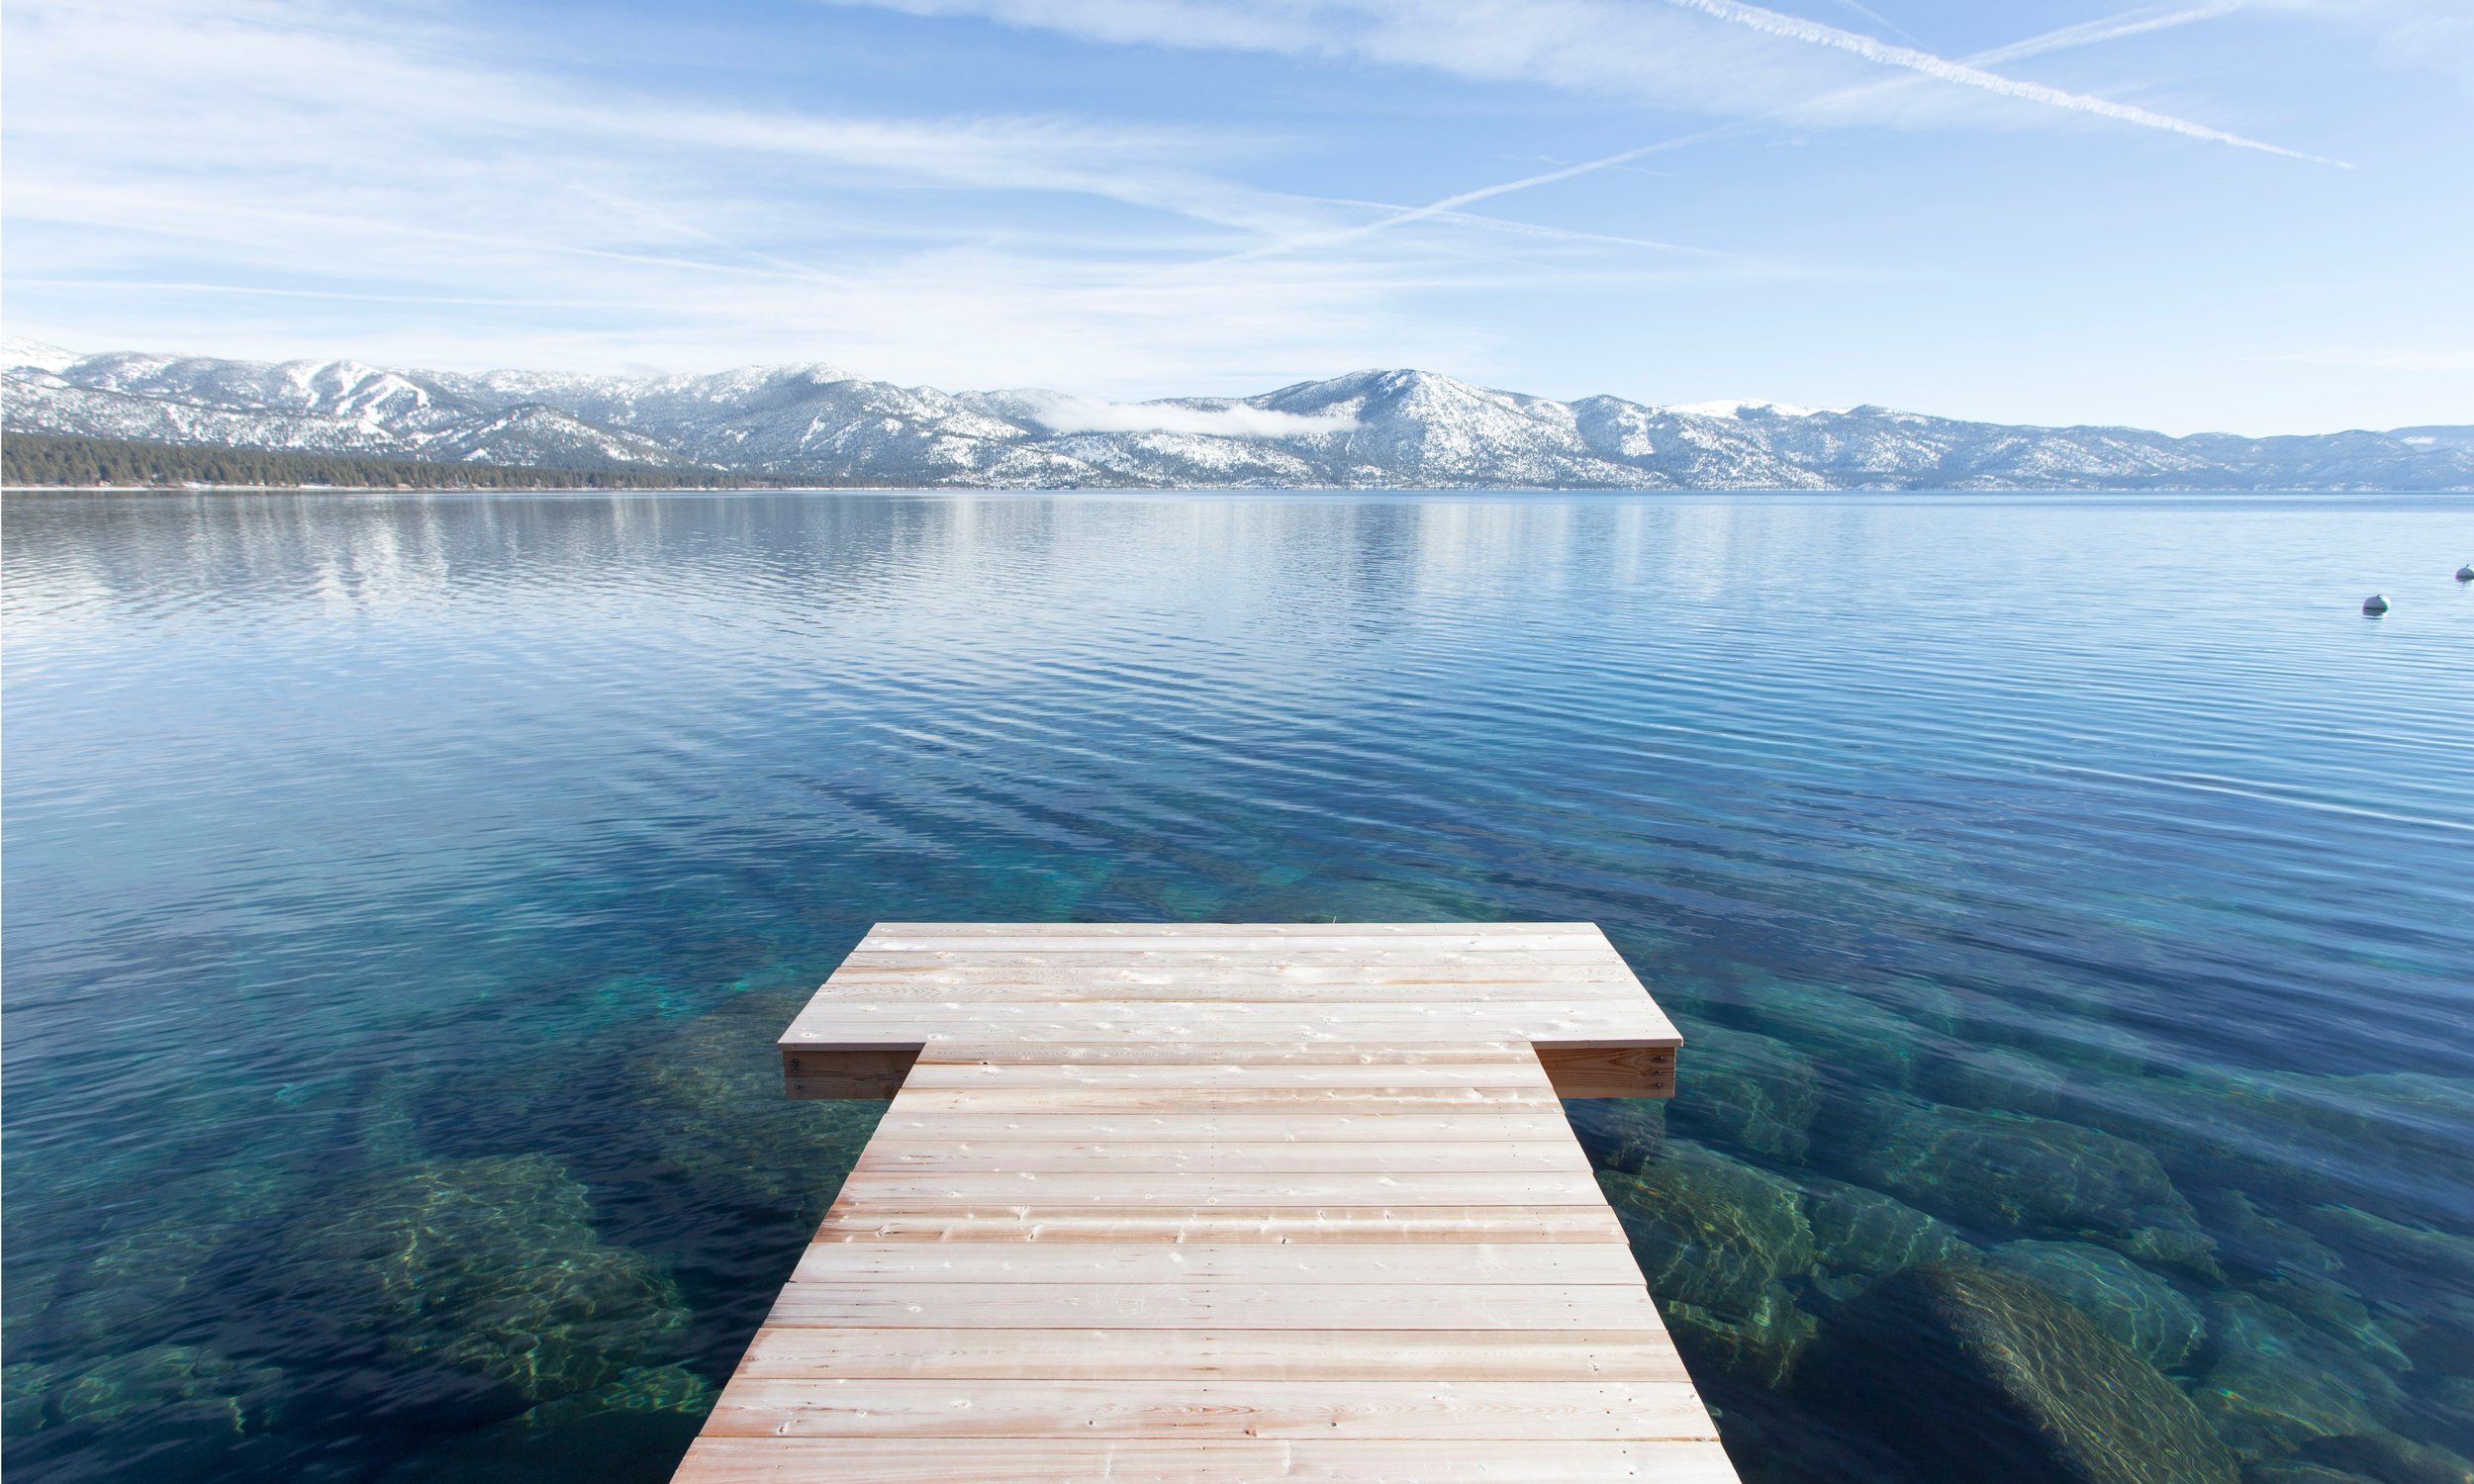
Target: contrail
[1795,28]
[2110,29]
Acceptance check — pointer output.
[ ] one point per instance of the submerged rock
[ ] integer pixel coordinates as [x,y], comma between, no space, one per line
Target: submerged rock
[2292,1471]
[1984,1375]
[23,1386]
[2340,1310]
[711,1091]
[1849,1036]
[1861,1235]
[490,1266]
[2249,1235]
[1715,1237]
[1994,1079]
[1709,1229]
[2140,1311]
[2457,1393]
[1746,1090]
[2274,1381]
[2037,1176]
[2304,1139]
[2390,1459]
[2442,1257]
[1761,1346]
[165,1391]
[643,1388]
[1620,1133]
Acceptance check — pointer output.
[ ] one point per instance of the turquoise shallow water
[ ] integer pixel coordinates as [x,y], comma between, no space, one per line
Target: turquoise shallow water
[2071,901]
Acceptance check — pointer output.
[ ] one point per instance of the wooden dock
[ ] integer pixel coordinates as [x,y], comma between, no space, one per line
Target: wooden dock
[1216,1202]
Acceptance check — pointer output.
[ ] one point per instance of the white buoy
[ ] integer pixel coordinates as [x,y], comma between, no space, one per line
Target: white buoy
[2376,604]
[2465,574]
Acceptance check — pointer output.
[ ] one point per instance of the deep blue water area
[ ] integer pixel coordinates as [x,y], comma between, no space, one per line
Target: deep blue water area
[2069,902]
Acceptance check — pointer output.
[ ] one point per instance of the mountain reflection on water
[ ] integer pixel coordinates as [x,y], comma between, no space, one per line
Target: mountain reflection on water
[2069,902]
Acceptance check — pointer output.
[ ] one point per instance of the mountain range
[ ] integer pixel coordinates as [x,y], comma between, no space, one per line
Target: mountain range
[1369,430]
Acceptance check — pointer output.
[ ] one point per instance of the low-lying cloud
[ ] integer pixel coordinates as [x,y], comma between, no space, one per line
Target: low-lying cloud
[1089,414]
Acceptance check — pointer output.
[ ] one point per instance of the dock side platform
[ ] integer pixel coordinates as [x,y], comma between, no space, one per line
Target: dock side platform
[1216,1202]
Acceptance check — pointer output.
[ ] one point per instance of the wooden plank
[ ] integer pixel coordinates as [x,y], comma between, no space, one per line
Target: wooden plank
[1369,950]
[1635,1410]
[1228,970]
[1310,1102]
[1303,1355]
[1351,1128]
[1560,1022]
[1230,938]
[1187,1460]
[1271,930]
[935,1075]
[1217,1262]
[1285,961]
[1218,1306]
[965,1050]
[996,987]
[1227,1224]
[1299,1157]
[1133,1191]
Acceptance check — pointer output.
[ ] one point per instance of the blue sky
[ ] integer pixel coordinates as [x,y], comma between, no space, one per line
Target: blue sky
[2215,214]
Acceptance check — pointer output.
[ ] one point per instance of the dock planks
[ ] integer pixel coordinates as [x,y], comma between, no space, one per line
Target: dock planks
[1217,1203]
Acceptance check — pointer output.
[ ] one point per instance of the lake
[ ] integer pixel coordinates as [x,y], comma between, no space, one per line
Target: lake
[402,893]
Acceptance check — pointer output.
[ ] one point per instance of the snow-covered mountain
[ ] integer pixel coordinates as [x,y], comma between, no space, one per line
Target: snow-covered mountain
[1369,429]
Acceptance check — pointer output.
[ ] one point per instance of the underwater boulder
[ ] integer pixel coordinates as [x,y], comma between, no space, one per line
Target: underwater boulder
[2247,1234]
[1716,1236]
[2441,1256]
[641,1388]
[1993,1078]
[2457,1394]
[2389,1458]
[1619,1132]
[1861,1235]
[2006,1171]
[24,1387]
[1984,1375]
[175,1384]
[1853,1040]
[187,1411]
[1709,1229]
[490,1266]
[1745,1090]
[2292,1471]
[2273,1381]
[709,1088]
[2340,1310]
[2293,1134]
[1760,1347]
[2142,1312]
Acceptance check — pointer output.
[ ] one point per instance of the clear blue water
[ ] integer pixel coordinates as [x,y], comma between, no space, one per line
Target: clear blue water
[402,894]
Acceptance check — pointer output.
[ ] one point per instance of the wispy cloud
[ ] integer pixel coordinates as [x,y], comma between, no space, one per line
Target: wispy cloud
[203,164]
[2379,358]
[1066,414]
